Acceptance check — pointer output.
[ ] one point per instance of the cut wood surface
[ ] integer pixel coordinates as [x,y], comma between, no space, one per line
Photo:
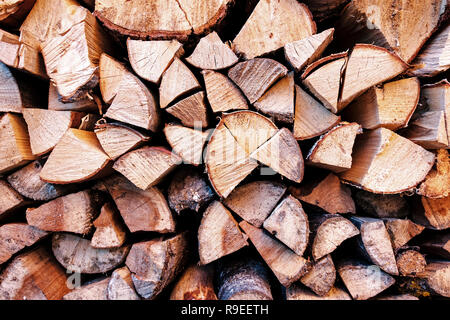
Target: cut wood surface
[437,182]
[433,213]
[95,290]
[321,277]
[10,201]
[401,231]
[410,262]
[109,229]
[120,286]
[196,283]
[298,292]
[381,205]
[111,72]
[191,111]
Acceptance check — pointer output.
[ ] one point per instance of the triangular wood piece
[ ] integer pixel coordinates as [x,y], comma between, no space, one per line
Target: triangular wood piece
[437,182]
[83,105]
[432,213]
[282,153]
[109,230]
[255,76]
[10,201]
[176,81]
[333,151]
[121,287]
[219,234]
[401,231]
[278,101]
[186,142]
[66,165]
[303,52]
[191,111]
[389,106]
[287,266]
[222,93]
[149,59]
[111,73]
[429,130]
[321,277]
[384,162]
[212,54]
[271,25]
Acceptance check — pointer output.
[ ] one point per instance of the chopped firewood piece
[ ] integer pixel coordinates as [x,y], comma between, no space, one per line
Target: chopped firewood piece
[145,167]
[437,182]
[436,97]
[433,59]
[376,243]
[219,234]
[381,205]
[271,25]
[76,254]
[328,194]
[328,232]
[397,297]
[72,213]
[191,111]
[287,266]
[141,210]
[387,23]
[437,245]
[433,213]
[149,59]
[10,200]
[311,118]
[289,224]
[282,153]
[222,93]
[109,231]
[84,105]
[297,292]
[362,280]
[390,105]
[15,149]
[120,286]
[155,264]
[169,19]
[111,73]
[255,76]
[333,151]
[325,9]
[65,165]
[321,277]
[429,130]
[278,101]
[243,278]
[16,236]
[117,139]
[46,127]
[186,142]
[255,201]
[303,52]
[189,190]
[384,162]
[95,290]
[34,275]
[401,231]
[13,12]
[212,54]
[176,81]
[410,262]
[196,283]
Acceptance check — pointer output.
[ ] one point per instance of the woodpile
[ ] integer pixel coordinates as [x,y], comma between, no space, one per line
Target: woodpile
[224,150]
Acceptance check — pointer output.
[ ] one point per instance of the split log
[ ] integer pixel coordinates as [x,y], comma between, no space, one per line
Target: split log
[34,275]
[321,277]
[196,283]
[303,52]
[384,162]
[297,292]
[328,194]
[429,130]
[287,266]
[76,254]
[109,231]
[141,210]
[64,165]
[176,81]
[218,234]
[10,201]
[389,106]
[222,93]
[16,236]
[432,213]
[437,182]
[186,142]
[325,9]
[333,151]
[278,101]
[189,190]
[149,59]
[243,278]
[381,205]
[117,139]
[111,74]
[13,12]
[410,262]
[155,264]
[15,149]
[311,118]
[191,111]
[271,25]
[255,76]
[255,201]
[212,54]
[94,290]
[289,224]
[401,231]
[438,245]
[362,280]
[145,167]
[120,286]
[83,105]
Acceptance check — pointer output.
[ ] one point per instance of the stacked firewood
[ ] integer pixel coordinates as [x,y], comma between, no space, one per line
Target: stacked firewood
[222,149]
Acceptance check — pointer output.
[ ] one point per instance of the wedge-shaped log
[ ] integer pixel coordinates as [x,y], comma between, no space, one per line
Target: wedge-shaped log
[109,230]
[191,111]
[94,290]
[10,201]
[321,277]
[298,292]
[196,283]
[401,231]
[111,72]
[433,213]
[437,182]
[120,286]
